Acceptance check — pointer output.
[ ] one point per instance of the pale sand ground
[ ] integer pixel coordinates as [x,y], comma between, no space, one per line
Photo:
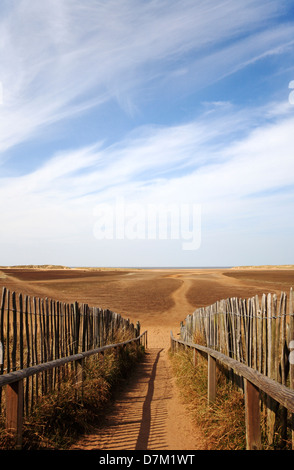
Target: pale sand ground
[149,413]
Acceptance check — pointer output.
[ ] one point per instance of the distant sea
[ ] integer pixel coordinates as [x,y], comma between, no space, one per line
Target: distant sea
[156,267]
[178,267]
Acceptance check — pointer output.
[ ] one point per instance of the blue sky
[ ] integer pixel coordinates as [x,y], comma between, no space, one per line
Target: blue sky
[147,106]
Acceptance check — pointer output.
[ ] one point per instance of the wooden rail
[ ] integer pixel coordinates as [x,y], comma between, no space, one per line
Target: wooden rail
[258,332]
[254,383]
[36,330]
[14,381]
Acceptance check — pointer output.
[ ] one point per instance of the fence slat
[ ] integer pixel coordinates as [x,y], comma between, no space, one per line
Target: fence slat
[35,330]
[14,325]
[15,380]
[254,382]
[255,332]
[2,318]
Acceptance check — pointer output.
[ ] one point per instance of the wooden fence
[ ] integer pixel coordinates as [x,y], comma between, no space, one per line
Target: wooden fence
[35,331]
[257,332]
[254,384]
[14,381]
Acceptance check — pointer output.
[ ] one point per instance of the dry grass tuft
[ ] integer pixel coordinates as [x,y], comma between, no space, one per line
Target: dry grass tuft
[223,423]
[62,416]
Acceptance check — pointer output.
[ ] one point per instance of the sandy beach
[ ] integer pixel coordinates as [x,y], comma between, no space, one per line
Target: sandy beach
[155,297]
[159,299]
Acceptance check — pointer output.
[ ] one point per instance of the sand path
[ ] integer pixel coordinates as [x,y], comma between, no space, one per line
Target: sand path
[149,414]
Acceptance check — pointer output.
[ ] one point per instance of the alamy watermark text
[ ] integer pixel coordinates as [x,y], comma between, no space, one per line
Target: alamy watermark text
[135,221]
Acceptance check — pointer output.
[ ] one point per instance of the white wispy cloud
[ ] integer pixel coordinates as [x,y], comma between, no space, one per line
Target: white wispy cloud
[178,164]
[61,57]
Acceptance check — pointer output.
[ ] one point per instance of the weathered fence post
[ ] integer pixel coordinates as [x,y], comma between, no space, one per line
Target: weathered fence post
[14,410]
[252,416]
[211,379]
[79,378]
